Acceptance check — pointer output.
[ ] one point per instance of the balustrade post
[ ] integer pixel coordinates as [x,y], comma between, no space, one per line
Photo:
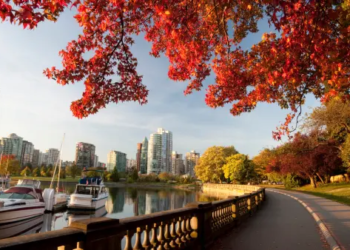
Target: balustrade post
[100,233]
[204,223]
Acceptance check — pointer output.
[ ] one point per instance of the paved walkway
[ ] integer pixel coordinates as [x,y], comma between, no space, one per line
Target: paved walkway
[283,224]
[334,215]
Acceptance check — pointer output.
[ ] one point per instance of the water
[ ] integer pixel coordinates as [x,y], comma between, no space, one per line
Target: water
[121,203]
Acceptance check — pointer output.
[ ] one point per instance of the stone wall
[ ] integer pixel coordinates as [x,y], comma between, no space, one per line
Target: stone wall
[221,190]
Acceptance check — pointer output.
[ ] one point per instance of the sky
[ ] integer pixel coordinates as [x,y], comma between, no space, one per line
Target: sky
[38,109]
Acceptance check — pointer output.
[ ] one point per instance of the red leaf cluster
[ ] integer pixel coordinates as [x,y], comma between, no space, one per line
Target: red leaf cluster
[308,54]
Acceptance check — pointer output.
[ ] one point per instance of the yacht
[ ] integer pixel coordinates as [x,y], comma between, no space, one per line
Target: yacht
[89,194]
[21,202]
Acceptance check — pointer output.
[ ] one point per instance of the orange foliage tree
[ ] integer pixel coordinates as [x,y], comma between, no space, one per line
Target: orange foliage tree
[308,52]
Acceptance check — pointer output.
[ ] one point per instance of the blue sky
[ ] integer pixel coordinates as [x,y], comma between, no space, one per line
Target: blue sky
[38,109]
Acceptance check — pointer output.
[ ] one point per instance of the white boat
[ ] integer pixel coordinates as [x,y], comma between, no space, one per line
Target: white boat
[89,194]
[21,202]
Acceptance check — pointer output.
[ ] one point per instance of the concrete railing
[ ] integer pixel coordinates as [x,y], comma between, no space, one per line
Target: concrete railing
[194,227]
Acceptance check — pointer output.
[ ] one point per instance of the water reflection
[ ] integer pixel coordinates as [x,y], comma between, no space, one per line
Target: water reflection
[121,203]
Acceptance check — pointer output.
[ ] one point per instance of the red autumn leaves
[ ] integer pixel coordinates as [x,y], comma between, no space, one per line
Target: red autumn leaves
[308,54]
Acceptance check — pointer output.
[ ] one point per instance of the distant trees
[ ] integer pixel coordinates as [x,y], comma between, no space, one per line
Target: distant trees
[73,171]
[43,170]
[9,164]
[209,168]
[239,168]
[26,172]
[219,164]
[114,175]
[36,172]
[305,156]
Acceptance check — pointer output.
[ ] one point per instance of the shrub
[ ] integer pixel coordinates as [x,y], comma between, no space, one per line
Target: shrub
[290,181]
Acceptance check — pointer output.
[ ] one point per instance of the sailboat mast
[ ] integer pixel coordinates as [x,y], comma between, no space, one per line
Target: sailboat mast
[59,157]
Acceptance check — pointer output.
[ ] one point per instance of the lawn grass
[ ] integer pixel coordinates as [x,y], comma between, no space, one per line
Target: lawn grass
[339,192]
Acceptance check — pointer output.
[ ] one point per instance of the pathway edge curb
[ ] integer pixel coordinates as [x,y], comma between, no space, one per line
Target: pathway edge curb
[328,236]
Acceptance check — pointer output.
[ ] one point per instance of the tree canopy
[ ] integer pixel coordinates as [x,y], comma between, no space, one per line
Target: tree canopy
[239,168]
[9,164]
[307,52]
[209,168]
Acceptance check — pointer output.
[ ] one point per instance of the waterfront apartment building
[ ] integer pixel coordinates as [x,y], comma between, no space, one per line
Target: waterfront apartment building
[160,147]
[27,152]
[177,164]
[53,156]
[12,145]
[191,160]
[85,155]
[154,154]
[116,159]
[144,156]
[96,161]
[35,161]
[138,156]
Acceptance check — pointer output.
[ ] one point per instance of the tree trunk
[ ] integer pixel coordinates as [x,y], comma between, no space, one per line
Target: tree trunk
[319,176]
[312,181]
[327,179]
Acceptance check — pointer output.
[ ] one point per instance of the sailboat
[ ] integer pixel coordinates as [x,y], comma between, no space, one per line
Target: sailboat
[54,199]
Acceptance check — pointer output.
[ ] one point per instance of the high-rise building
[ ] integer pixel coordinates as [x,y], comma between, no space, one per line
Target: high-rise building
[116,159]
[85,155]
[138,156]
[167,148]
[27,152]
[154,154]
[177,164]
[160,147]
[191,160]
[36,156]
[43,158]
[96,161]
[53,155]
[12,145]
[143,157]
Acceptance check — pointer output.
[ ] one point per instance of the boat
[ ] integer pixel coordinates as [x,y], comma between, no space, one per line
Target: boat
[89,194]
[54,199]
[21,202]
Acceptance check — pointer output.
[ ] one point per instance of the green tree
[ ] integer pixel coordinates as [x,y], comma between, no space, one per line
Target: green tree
[29,165]
[49,171]
[238,168]
[73,171]
[209,168]
[43,170]
[134,174]
[164,176]
[114,175]
[26,172]
[36,172]
[9,164]
[63,174]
